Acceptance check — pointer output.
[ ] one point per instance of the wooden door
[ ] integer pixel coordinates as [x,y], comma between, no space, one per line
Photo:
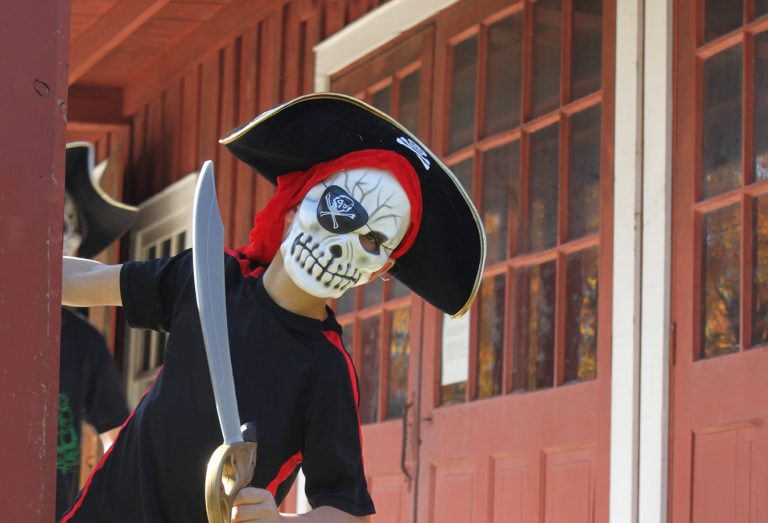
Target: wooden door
[382,320]
[719,438]
[516,399]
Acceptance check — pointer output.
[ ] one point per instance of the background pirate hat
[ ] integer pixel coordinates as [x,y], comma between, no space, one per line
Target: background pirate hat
[445,263]
[105,219]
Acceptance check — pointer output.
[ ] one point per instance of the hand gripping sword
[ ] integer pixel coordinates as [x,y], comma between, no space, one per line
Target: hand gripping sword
[232,463]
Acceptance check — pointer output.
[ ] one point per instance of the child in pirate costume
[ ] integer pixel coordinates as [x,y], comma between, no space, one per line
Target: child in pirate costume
[89,384]
[368,198]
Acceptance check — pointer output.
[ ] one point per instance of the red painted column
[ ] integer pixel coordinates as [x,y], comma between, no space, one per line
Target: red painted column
[34,42]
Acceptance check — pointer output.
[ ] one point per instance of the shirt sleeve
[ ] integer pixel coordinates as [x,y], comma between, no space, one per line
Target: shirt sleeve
[105,405]
[332,455]
[149,289]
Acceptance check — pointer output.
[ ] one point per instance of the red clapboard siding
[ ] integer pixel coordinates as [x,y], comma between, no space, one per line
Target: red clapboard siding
[252,69]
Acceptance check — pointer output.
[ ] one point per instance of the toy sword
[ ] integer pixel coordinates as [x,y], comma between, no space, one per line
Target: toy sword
[232,463]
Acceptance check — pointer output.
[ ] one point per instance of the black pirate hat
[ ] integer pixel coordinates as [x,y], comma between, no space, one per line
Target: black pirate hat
[445,263]
[105,219]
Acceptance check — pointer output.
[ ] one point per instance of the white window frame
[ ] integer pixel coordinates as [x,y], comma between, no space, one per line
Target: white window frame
[166,215]
[368,33]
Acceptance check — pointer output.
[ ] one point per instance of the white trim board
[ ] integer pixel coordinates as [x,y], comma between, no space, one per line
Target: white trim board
[627,248]
[642,252]
[368,33]
[653,475]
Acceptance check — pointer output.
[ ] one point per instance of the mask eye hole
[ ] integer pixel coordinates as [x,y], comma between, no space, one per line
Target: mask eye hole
[371,242]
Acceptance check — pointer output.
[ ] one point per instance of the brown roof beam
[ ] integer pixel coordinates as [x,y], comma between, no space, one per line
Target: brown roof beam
[108,32]
[210,37]
[95,105]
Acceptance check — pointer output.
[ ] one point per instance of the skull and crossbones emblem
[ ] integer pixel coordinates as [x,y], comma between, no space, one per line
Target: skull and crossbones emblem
[346,214]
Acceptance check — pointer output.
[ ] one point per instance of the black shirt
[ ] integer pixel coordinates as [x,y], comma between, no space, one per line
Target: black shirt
[292,377]
[89,390]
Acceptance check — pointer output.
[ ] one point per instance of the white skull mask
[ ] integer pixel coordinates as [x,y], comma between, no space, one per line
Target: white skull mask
[72,238]
[344,231]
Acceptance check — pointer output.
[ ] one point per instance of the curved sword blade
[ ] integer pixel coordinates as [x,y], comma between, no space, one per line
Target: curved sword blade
[208,259]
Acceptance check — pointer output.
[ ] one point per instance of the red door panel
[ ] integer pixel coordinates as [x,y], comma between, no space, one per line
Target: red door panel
[720,265]
[391,496]
[728,466]
[521,433]
[508,484]
[515,97]
[568,484]
[453,491]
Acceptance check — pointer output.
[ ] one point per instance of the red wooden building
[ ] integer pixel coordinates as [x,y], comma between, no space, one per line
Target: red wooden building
[613,366]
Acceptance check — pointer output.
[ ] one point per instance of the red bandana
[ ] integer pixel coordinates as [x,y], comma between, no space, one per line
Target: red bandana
[268,224]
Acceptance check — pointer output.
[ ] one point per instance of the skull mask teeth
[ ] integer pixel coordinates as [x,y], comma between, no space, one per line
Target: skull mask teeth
[344,230]
[319,266]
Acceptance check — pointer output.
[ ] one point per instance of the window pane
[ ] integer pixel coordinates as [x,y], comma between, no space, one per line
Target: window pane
[181,241]
[348,337]
[165,248]
[453,393]
[399,354]
[369,369]
[760,272]
[408,112]
[152,253]
[543,190]
[397,289]
[382,99]
[721,240]
[581,316]
[463,94]
[501,181]
[545,91]
[454,359]
[761,106]
[346,302]
[584,174]
[491,337]
[587,51]
[722,16]
[504,82]
[721,154]
[761,7]
[534,349]
[373,292]
[463,172]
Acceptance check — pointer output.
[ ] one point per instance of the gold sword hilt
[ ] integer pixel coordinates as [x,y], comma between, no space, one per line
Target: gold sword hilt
[229,469]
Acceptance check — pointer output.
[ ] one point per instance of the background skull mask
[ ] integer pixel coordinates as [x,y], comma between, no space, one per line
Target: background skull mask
[344,231]
[73,226]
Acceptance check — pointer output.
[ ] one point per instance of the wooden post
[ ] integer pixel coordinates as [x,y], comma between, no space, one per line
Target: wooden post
[34,40]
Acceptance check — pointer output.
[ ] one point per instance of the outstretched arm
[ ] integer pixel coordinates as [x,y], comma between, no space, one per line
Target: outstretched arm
[254,504]
[88,283]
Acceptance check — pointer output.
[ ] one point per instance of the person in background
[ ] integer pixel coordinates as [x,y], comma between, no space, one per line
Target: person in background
[90,387]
